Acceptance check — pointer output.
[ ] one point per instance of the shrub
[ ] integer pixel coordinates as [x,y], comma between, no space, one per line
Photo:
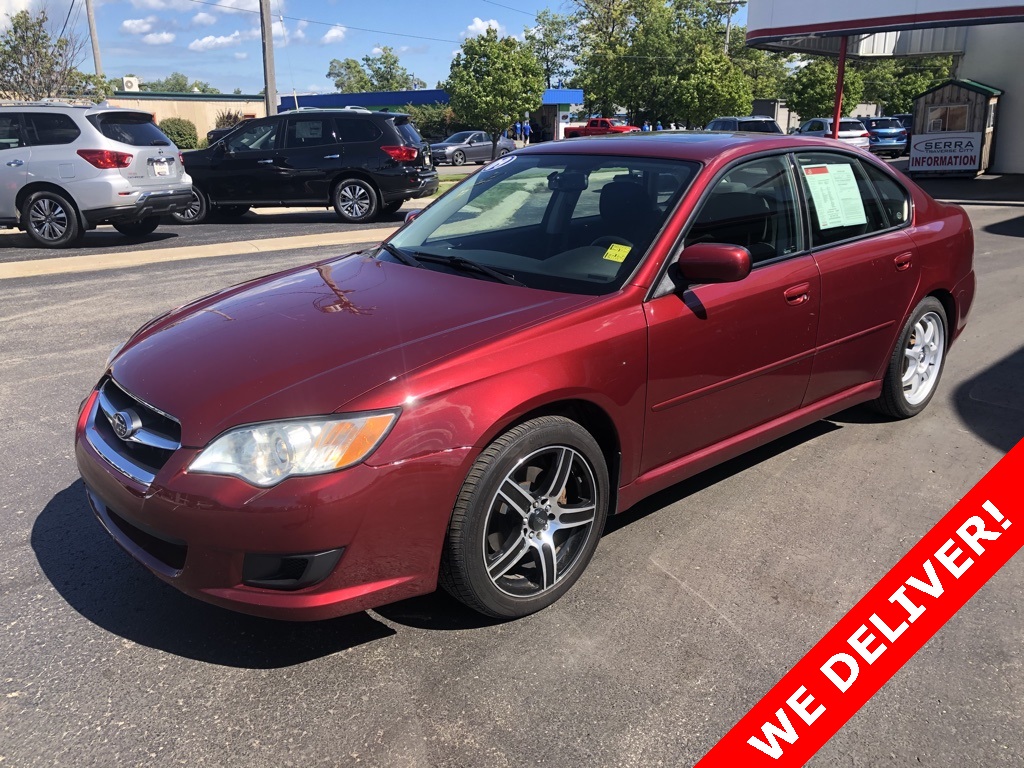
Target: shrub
[227,118]
[181,131]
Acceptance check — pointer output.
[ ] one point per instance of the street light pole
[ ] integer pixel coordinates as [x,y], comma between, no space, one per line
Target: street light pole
[269,80]
[92,36]
[728,24]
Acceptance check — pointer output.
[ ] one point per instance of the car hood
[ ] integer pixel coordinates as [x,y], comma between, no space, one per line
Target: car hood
[308,341]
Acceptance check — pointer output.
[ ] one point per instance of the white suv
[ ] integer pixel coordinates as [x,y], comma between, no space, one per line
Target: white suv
[65,169]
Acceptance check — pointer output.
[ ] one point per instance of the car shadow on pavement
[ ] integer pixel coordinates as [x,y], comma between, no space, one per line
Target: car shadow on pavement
[723,471]
[990,403]
[105,239]
[107,587]
[1008,228]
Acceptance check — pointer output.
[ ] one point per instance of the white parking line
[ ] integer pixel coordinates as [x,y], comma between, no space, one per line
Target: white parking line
[94,262]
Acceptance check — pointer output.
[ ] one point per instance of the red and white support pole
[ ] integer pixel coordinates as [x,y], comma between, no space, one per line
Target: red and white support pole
[839,88]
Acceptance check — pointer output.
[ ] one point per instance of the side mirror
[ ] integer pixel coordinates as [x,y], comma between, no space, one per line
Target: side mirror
[412,215]
[713,263]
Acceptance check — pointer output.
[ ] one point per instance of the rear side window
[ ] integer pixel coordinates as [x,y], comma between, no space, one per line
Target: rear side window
[894,198]
[309,132]
[357,129]
[10,132]
[841,200]
[50,128]
[132,128]
[409,132]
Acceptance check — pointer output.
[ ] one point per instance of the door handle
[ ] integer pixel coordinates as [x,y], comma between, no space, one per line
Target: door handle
[902,261]
[798,294]
[16,163]
[264,162]
[331,157]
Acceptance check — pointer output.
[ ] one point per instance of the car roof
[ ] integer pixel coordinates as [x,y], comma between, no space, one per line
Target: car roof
[699,146]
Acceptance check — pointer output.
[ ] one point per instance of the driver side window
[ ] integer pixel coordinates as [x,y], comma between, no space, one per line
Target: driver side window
[254,138]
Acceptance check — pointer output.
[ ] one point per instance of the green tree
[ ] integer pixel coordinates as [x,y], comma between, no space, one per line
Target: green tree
[35,64]
[551,41]
[767,71]
[176,82]
[714,87]
[493,81]
[181,131]
[602,29]
[348,76]
[893,83]
[387,74]
[432,120]
[812,90]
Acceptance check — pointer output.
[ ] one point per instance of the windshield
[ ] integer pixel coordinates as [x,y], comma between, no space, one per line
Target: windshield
[571,223]
[459,138]
[759,126]
[619,122]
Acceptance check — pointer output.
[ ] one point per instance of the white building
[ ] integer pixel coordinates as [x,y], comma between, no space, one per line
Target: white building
[987,36]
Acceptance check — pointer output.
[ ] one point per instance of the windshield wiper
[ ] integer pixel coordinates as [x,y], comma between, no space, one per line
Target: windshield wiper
[401,255]
[467,265]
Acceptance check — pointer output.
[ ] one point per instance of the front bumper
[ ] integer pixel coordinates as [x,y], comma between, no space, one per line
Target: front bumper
[382,529]
[149,203]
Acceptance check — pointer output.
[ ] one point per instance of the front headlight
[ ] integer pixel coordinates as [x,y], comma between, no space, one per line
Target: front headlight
[265,454]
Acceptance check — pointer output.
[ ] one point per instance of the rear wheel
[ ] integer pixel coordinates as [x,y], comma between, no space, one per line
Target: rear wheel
[355,201]
[50,219]
[916,364]
[139,228]
[528,518]
[197,210]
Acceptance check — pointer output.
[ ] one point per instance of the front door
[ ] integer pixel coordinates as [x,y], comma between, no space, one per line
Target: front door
[726,357]
[248,171]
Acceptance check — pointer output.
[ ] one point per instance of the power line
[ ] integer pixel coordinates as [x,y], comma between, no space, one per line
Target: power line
[70,9]
[510,8]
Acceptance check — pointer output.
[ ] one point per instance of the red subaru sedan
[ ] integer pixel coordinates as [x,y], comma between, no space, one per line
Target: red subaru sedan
[576,326]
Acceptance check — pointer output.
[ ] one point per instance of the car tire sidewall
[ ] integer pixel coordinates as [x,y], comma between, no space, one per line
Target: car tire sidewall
[372,208]
[202,213]
[458,157]
[140,228]
[464,572]
[892,401]
[72,233]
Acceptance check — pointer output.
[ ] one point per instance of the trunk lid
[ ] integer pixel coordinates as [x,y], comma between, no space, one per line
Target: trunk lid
[155,161]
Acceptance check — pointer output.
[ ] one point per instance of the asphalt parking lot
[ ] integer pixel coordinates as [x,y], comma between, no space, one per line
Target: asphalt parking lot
[698,600]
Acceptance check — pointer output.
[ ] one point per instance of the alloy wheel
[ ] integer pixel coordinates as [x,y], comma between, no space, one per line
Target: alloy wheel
[354,200]
[48,219]
[923,357]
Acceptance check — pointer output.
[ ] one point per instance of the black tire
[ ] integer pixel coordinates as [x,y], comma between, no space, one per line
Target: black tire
[458,157]
[232,211]
[505,560]
[139,228]
[198,209]
[389,208]
[925,338]
[50,219]
[355,201]
[502,153]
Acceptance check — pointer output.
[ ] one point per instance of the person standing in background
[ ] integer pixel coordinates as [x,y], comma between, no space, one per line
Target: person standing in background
[526,132]
[645,127]
[519,131]
[658,126]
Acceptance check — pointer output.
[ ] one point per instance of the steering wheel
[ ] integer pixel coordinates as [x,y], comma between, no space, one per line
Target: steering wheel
[606,240]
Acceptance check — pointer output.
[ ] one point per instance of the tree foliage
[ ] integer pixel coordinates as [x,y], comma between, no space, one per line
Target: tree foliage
[176,82]
[493,81]
[35,64]
[811,91]
[714,86]
[432,120]
[552,41]
[380,72]
[893,83]
[348,76]
[767,71]
[181,131]
[227,118]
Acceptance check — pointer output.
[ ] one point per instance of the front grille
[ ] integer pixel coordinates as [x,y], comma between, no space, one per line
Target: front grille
[170,552]
[148,442]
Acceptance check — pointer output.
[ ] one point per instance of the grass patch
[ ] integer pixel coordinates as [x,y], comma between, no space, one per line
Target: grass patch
[446,183]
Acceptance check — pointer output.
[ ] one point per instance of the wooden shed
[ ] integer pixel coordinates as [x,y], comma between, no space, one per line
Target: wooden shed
[954,129]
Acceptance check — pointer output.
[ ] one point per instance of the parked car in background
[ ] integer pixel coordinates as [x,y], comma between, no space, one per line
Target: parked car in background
[752,124]
[599,126]
[850,131]
[219,133]
[887,135]
[469,146]
[907,121]
[545,345]
[66,169]
[361,162]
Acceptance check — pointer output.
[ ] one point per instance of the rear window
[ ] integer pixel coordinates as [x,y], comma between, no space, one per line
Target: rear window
[851,125]
[357,129]
[760,126]
[408,131]
[885,122]
[132,128]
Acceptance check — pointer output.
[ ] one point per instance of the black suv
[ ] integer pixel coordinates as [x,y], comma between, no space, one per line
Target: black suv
[361,162]
[754,124]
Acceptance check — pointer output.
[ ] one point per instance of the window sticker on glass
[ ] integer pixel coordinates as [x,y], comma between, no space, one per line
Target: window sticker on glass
[836,196]
[309,129]
[617,252]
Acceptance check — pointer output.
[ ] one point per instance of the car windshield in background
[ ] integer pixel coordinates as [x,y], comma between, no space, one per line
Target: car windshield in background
[759,126]
[851,125]
[459,138]
[619,122]
[571,223]
[132,128]
[888,122]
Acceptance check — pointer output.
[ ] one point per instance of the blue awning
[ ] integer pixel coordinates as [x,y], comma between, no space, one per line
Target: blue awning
[562,96]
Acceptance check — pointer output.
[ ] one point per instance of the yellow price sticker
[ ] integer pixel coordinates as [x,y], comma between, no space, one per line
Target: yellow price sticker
[617,252]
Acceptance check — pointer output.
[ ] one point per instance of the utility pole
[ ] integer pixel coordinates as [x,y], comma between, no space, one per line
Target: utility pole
[269,81]
[92,36]
[728,24]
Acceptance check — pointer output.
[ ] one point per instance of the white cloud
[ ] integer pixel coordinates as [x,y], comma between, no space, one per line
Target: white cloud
[158,38]
[479,26]
[213,42]
[204,19]
[376,50]
[333,35]
[241,55]
[138,26]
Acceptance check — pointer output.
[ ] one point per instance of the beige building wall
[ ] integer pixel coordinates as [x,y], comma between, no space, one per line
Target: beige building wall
[201,112]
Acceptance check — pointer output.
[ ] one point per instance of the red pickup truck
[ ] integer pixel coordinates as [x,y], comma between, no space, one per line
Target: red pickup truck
[598,126]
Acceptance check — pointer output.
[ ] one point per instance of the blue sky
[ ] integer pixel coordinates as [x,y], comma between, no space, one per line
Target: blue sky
[219,40]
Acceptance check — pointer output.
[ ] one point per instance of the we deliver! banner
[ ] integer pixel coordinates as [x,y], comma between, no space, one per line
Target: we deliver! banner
[886,628]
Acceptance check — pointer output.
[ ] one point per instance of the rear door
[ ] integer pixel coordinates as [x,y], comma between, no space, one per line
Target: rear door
[155,160]
[310,158]
[14,160]
[869,266]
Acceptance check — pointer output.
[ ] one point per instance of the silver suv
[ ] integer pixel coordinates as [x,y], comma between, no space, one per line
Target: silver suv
[66,169]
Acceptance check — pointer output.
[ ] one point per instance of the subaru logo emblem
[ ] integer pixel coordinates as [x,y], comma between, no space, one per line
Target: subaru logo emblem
[125,424]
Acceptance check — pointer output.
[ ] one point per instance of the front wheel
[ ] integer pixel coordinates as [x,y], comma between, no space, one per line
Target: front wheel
[139,228]
[355,201]
[528,518]
[458,157]
[50,219]
[197,210]
[916,363]
[502,153]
